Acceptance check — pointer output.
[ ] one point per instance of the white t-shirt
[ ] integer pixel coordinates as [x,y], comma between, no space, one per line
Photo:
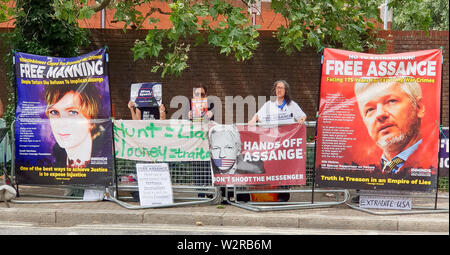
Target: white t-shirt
[270,113]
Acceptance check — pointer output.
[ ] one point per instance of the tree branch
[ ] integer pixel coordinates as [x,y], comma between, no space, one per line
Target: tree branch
[152,10]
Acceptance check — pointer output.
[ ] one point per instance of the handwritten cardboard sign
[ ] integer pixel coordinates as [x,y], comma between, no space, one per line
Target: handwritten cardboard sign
[385,202]
[161,140]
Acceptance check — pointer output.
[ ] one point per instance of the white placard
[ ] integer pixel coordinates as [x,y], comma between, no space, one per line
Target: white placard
[384,202]
[155,186]
[93,195]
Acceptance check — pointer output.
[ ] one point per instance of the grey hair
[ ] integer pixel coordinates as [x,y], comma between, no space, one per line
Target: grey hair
[229,129]
[287,90]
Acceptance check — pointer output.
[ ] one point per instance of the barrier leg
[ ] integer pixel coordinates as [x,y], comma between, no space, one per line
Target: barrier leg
[278,206]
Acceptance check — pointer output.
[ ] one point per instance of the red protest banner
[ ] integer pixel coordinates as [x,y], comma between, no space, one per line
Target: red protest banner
[253,155]
[378,125]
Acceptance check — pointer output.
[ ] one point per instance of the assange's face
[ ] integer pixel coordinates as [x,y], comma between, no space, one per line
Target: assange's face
[69,126]
[224,150]
[157,92]
[390,116]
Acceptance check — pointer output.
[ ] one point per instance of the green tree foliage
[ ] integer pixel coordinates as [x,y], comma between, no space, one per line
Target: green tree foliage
[232,33]
[38,31]
[420,15]
[313,23]
[6,12]
[346,24]
[323,23]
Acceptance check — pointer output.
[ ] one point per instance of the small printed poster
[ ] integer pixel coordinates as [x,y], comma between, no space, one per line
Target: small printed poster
[155,186]
[199,108]
[148,94]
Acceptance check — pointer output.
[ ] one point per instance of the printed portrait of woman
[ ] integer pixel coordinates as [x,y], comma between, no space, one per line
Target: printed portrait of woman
[73,111]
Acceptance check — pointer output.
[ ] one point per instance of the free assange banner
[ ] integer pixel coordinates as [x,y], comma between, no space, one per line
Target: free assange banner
[63,128]
[252,155]
[378,125]
[161,140]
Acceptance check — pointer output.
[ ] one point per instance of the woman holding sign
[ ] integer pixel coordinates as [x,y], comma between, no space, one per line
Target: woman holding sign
[139,112]
[282,110]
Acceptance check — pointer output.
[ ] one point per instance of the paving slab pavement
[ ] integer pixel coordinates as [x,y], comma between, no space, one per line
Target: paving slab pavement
[332,217]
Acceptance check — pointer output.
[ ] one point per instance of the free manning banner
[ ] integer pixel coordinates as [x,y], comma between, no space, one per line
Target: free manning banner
[252,155]
[378,125]
[161,140]
[63,127]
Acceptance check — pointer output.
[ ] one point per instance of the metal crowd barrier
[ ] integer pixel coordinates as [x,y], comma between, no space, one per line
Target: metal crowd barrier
[191,184]
[341,196]
[198,174]
[301,197]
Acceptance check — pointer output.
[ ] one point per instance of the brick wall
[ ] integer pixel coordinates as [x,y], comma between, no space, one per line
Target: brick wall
[221,74]
[225,77]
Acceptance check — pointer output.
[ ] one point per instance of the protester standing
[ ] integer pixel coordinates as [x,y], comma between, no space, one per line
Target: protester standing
[201,92]
[281,109]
